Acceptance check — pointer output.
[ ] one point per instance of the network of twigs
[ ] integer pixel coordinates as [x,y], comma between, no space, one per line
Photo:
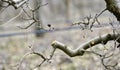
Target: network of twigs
[87,23]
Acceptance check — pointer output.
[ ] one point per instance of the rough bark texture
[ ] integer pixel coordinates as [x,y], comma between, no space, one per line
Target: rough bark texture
[114,7]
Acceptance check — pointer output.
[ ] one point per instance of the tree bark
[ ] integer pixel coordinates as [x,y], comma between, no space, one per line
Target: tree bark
[113,6]
[38,25]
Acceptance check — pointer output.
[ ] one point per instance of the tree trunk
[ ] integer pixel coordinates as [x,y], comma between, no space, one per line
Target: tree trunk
[67,2]
[38,25]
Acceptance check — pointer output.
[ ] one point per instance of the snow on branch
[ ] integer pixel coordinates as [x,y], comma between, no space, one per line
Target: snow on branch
[18,3]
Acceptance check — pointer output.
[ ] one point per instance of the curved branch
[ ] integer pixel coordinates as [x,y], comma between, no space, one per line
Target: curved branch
[80,50]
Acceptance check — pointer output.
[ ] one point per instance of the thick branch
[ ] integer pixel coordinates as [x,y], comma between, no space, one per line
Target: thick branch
[80,50]
[114,7]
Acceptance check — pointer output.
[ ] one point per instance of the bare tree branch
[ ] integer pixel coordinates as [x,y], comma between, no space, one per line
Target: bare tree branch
[81,50]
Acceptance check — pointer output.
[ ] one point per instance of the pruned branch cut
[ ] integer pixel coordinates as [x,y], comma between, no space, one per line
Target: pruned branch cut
[81,50]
